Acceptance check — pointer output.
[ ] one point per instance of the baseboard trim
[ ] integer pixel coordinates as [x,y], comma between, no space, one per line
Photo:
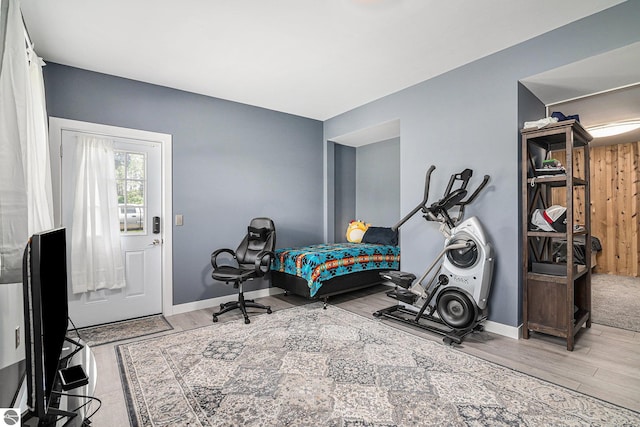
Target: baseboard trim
[514,332]
[214,302]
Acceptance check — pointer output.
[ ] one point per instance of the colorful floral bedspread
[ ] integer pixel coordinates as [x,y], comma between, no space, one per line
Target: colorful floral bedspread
[317,263]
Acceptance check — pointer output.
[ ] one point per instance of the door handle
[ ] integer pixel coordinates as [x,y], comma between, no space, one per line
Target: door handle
[155,242]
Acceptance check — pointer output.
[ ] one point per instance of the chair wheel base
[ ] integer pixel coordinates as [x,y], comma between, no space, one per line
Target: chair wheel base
[242,305]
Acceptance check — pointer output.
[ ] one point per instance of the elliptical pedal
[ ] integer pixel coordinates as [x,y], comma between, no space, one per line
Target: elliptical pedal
[402,295]
[399,278]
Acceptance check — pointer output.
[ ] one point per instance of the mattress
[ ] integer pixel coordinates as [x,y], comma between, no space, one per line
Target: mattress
[318,263]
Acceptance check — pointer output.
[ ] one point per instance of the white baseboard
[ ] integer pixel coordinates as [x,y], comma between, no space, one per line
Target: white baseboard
[214,302]
[514,332]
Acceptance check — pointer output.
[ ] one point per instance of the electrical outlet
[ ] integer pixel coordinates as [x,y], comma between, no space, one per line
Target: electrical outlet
[17,336]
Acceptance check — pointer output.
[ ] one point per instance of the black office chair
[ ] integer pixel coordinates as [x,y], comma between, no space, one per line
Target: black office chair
[253,257]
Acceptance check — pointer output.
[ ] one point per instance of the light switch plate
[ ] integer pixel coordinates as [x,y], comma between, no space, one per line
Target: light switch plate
[179,219]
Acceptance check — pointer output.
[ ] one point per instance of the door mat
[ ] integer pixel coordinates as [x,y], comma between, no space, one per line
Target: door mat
[124,330]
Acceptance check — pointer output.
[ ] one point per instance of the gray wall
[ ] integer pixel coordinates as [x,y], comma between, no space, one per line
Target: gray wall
[367,185]
[378,183]
[231,162]
[530,108]
[345,189]
[469,117]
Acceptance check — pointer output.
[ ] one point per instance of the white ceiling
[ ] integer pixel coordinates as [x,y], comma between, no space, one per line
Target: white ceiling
[313,58]
[375,133]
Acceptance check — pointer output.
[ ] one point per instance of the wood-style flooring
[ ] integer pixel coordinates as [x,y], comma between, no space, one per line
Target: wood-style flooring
[605,362]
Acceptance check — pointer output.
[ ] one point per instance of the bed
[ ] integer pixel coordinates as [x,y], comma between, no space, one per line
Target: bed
[319,271]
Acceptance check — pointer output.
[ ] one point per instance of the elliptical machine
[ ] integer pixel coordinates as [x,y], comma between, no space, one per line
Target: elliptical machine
[453,300]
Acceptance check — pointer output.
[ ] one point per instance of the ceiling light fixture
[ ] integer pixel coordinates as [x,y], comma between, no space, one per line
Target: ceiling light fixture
[611,129]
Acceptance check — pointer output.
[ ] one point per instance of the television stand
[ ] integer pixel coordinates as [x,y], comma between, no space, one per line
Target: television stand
[69,409]
[65,418]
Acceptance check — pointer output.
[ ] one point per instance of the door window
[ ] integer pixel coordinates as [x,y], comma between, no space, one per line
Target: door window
[131,184]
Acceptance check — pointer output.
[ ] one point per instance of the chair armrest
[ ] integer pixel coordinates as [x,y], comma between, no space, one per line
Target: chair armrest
[263,260]
[214,256]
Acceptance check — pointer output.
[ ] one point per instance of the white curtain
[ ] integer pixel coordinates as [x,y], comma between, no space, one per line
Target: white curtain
[96,256]
[36,154]
[25,174]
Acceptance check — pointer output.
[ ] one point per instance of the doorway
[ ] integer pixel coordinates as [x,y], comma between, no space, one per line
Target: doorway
[614,177]
[142,163]
[599,96]
[364,176]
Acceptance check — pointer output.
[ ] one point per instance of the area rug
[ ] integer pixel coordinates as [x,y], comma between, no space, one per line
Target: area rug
[306,366]
[127,329]
[615,301]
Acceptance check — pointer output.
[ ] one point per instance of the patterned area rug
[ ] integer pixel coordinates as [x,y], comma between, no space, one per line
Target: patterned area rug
[305,366]
[127,329]
[615,301]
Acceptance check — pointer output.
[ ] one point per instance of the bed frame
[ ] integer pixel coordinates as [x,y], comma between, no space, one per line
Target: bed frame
[335,286]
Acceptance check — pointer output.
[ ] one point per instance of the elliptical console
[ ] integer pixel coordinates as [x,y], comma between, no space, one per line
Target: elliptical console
[450,298]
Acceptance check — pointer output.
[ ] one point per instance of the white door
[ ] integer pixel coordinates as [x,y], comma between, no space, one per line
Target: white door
[138,167]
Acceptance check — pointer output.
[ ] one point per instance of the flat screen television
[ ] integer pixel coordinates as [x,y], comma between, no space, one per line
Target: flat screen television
[45,314]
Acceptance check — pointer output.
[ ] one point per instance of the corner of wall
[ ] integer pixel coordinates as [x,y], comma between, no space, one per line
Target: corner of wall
[514,332]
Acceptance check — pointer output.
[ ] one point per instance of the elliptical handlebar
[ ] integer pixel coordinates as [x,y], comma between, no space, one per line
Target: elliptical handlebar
[423,205]
[427,180]
[471,198]
[429,214]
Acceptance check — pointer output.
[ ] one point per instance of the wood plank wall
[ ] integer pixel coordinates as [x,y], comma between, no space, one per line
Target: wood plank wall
[615,205]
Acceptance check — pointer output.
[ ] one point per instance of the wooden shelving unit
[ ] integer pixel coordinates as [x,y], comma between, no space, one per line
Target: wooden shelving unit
[557,304]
